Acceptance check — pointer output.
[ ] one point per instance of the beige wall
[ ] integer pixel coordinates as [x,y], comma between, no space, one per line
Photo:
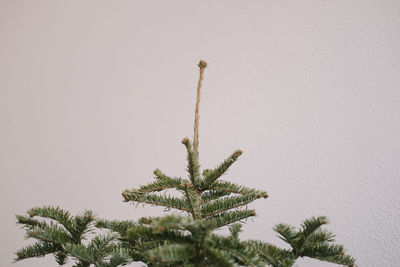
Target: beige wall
[94,95]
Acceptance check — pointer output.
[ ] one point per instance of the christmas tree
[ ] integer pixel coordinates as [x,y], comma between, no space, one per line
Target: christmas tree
[207,203]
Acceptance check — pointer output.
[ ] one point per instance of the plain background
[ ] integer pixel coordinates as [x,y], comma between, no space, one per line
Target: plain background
[95,95]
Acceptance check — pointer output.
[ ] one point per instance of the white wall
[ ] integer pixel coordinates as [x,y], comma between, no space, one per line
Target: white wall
[95,95]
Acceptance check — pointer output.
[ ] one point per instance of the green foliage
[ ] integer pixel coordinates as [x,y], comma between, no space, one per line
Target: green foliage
[172,254]
[226,218]
[211,176]
[39,249]
[193,166]
[191,242]
[157,200]
[312,241]
[202,197]
[272,255]
[222,205]
[101,251]
[117,226]
[242,253]
[207,204]
[162,182]
[232,188]
[61,234]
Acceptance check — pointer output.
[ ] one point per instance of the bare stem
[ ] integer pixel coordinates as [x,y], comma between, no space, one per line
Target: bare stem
[202,65]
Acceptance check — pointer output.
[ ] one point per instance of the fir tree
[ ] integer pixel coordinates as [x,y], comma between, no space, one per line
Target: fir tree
[207,203]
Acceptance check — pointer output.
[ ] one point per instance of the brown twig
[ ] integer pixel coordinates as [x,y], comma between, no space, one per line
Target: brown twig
[202,65]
